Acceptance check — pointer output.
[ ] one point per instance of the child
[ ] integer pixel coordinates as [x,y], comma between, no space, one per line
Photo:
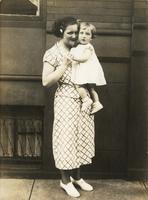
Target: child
[86,68]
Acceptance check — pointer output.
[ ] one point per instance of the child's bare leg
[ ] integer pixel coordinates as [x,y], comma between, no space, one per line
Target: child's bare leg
[96,106]
[83,92]
[94,94]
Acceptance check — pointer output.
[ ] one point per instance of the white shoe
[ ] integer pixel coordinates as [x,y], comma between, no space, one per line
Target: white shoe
[82,184]
[86,103]
[70,189]
[96,107]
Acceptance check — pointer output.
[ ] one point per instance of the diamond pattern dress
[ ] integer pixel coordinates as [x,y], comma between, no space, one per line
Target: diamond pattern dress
[73,130]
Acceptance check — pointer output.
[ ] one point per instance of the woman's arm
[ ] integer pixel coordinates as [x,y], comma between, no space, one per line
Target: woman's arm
[50,76]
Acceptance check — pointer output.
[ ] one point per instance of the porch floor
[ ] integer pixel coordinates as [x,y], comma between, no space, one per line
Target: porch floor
[38,189]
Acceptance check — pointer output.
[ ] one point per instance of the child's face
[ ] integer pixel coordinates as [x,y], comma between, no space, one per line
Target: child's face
[85,35]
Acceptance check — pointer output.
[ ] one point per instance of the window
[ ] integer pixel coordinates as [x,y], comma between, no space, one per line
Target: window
[21,132]
[20,7]
[22,13]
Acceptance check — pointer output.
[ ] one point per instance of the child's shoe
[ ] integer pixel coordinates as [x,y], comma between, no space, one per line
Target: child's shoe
[86,103]
[96,106]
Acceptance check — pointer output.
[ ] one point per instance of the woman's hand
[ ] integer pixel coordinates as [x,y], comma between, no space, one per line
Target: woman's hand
[67,60]
[70,57]
[50,76]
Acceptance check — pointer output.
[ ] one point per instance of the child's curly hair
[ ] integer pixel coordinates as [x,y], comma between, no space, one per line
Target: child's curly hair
[85,25]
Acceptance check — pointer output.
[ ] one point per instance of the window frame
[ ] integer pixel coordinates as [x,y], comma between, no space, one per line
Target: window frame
[25,20]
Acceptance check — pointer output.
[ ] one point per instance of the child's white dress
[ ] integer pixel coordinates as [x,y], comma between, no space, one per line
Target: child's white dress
[90,71]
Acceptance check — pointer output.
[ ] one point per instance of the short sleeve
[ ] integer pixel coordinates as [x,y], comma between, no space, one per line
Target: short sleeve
[50,56]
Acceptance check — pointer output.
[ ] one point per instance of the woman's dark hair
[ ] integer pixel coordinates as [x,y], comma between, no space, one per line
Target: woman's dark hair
[60,25]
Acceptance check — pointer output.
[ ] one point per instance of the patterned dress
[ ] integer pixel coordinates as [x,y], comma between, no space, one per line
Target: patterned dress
[73,130]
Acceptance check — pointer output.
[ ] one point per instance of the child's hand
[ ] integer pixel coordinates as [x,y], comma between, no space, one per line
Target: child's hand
[70,57]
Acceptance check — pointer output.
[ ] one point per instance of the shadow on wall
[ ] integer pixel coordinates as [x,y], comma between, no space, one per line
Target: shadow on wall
[21,7]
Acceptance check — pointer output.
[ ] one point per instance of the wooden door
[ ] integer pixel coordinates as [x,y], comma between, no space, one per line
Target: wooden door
[22,43]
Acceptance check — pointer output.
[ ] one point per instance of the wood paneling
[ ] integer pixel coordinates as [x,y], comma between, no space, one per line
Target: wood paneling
[139,40]
[140,13]
[138,107]
[112,46]
[115,12]
[22,50]
[21,93]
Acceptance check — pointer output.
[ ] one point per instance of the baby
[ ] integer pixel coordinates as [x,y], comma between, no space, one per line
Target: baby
[86,68]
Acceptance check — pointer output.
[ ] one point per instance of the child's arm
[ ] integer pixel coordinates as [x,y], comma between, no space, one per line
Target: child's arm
[83,57]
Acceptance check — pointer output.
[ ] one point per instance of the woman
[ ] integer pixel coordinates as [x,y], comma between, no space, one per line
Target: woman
[73,130]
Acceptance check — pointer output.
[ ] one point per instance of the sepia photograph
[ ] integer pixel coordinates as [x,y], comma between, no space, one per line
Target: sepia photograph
[73,99]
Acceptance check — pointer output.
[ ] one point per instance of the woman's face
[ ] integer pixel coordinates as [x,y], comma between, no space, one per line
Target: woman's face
[70,35]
